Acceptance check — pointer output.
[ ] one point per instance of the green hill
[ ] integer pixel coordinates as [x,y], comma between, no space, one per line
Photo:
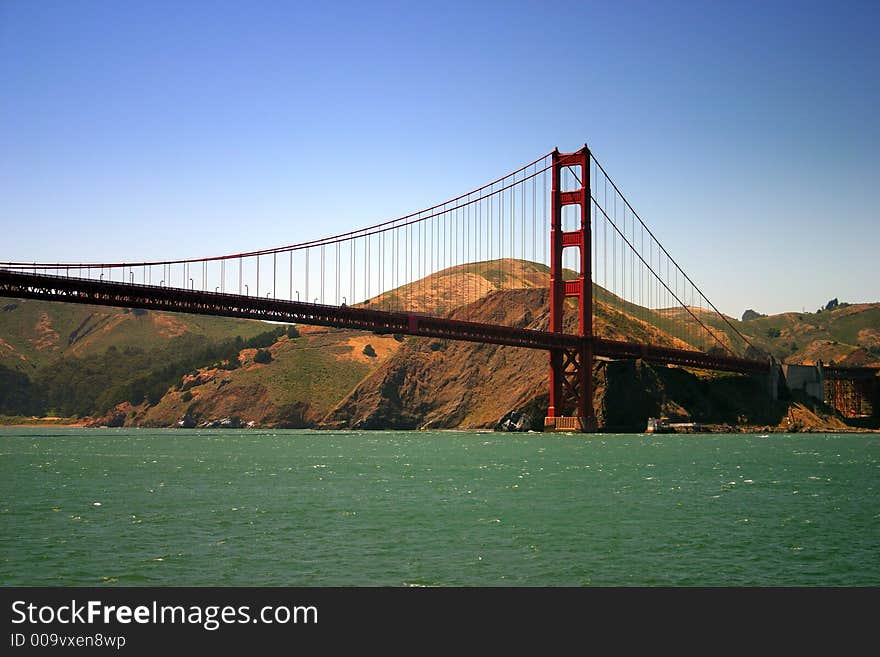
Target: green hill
[34,334]
[848,335]
[71,360]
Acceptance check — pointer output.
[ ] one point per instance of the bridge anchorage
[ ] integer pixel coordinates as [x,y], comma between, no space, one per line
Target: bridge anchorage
[477,268]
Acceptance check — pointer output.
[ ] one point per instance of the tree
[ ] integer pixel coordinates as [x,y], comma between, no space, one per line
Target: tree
[17,395]
[292,332]
[263,356]
[831,305]
[264,340]
[756,354]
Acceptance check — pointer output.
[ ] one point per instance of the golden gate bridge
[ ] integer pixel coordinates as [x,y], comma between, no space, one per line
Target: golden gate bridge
[558,223]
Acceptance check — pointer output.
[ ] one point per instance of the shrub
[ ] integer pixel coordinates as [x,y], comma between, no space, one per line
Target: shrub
[186,397]
[265,339]
[292,332]
[756,354]
[369,351]
[262,356]
[773,333]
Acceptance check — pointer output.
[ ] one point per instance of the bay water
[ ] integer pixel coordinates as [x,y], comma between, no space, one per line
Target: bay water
[83,507]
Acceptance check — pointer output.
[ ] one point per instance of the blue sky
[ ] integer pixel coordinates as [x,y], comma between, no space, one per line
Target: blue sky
[745,134]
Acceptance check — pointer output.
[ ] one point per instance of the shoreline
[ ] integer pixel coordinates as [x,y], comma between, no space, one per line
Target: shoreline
[728,430]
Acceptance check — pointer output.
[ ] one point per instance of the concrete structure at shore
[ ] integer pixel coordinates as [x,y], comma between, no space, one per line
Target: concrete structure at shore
[809,379]
[853,391]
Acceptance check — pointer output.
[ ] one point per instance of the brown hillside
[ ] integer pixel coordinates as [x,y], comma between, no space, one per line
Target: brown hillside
[445,384]
[458,286]
[305,379]
[434,384]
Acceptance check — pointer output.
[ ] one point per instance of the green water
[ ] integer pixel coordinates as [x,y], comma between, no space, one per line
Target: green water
[287,508]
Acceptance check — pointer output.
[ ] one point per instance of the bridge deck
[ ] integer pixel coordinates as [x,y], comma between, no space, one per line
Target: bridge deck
[837,372]
[131,295]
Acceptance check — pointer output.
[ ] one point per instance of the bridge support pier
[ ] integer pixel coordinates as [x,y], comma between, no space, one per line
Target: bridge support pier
[773,378]
[571,370]
[571,389]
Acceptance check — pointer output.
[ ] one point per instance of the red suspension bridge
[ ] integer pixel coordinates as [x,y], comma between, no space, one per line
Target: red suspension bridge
[559,222]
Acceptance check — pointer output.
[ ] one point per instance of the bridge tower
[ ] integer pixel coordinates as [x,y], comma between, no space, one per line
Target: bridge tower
[571,370]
